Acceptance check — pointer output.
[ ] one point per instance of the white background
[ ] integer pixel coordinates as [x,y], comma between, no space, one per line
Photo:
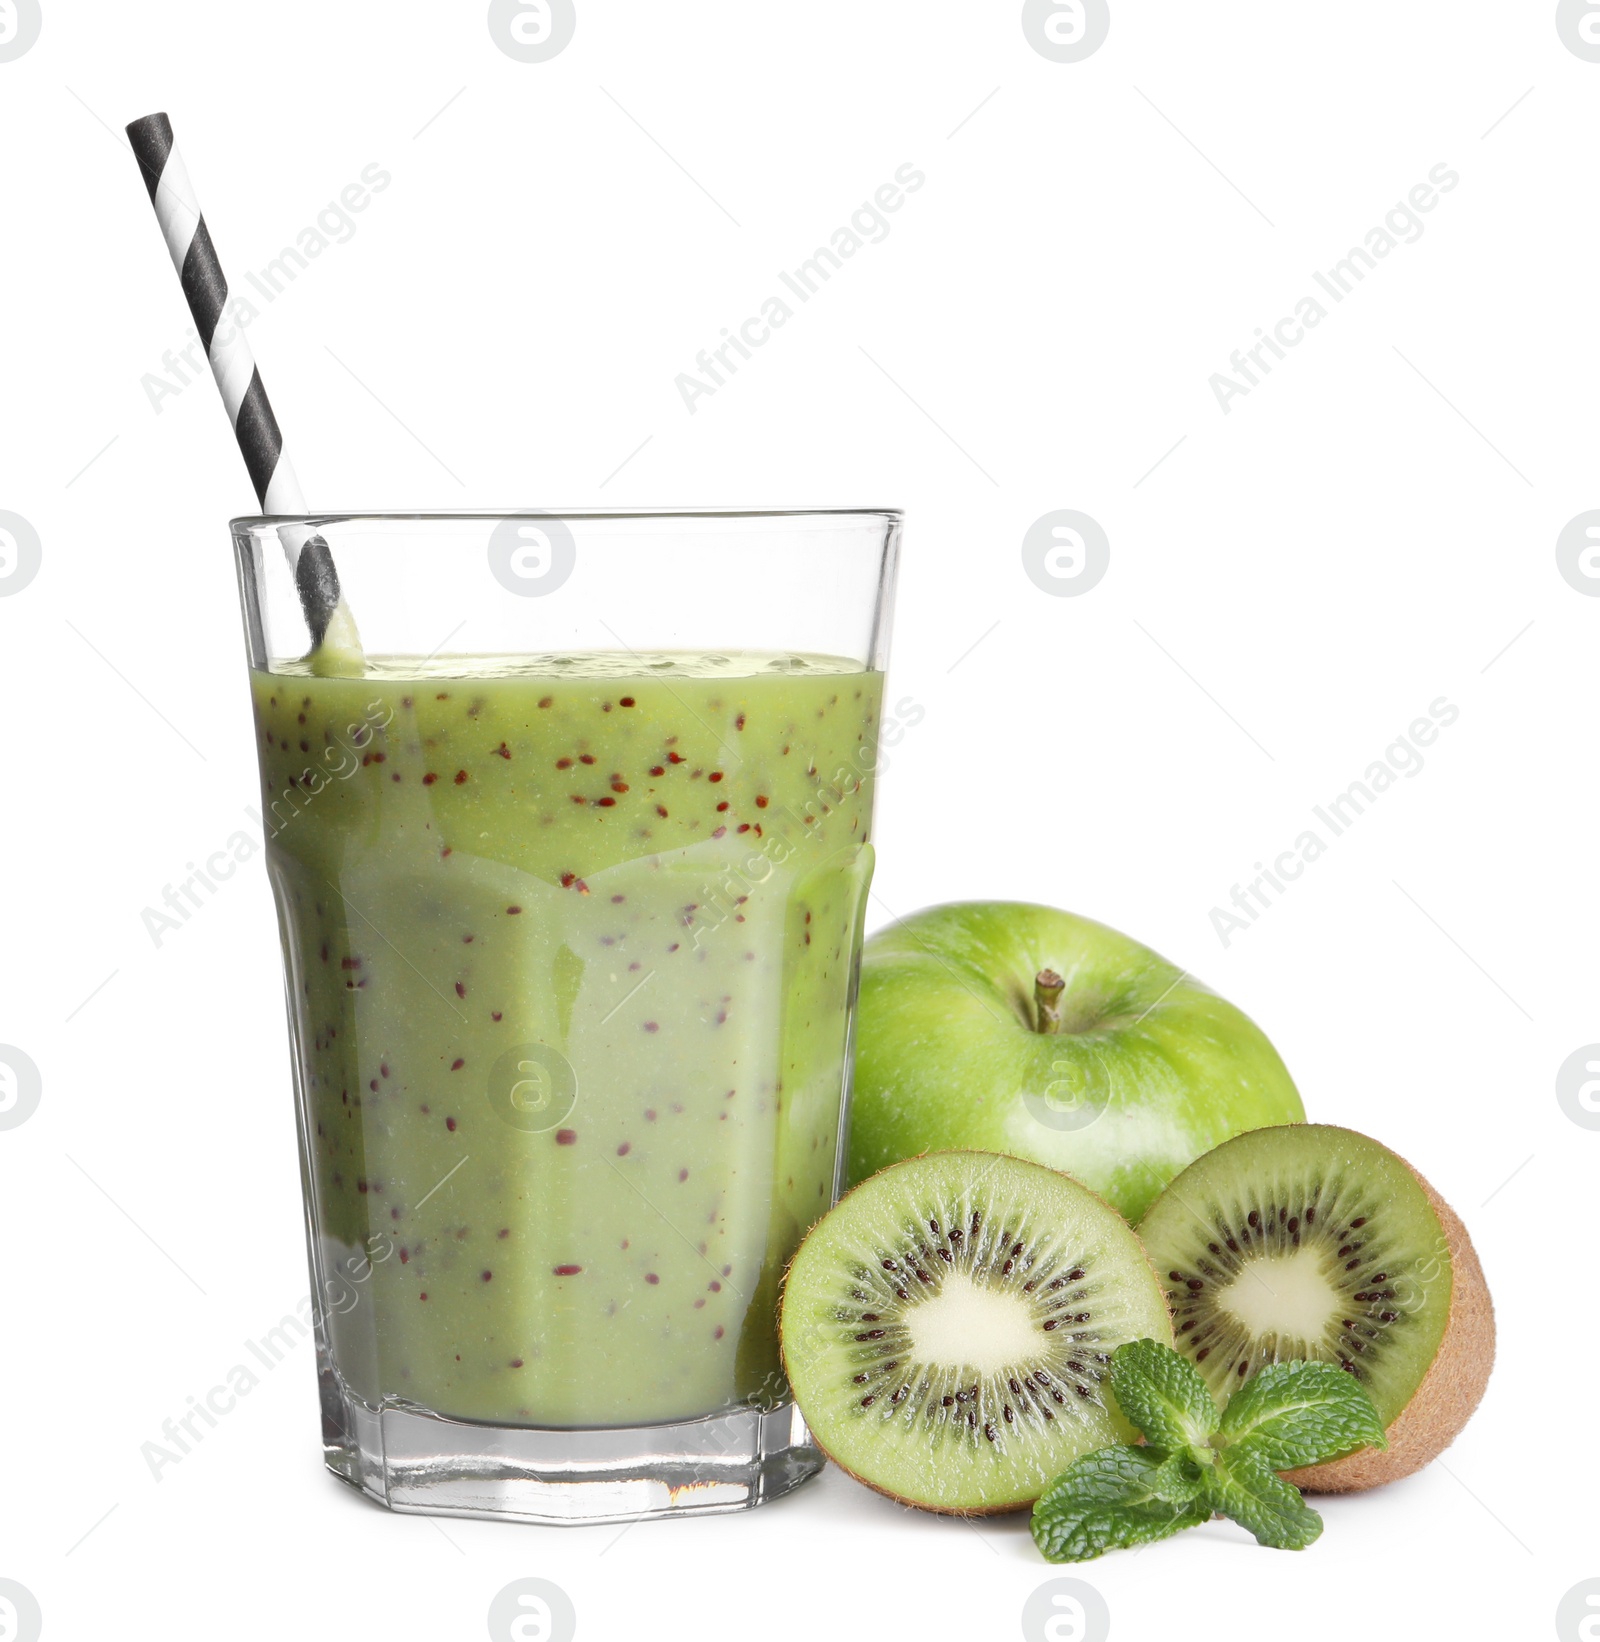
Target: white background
[1290,584]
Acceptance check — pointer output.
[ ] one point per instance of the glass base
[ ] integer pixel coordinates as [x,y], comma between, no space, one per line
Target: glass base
[414,1461]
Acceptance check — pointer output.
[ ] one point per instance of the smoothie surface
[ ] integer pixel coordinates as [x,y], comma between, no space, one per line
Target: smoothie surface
[571,945]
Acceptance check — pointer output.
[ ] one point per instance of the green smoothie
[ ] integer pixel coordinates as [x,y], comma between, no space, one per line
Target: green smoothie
[570,945]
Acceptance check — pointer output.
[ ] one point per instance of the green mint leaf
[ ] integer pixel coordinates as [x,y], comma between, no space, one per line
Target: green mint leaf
[1162,1394]
[1245,1487]
[1109,1501]
[1291,1414]
[1111,1476]
[1074,1531]
[1180,1479]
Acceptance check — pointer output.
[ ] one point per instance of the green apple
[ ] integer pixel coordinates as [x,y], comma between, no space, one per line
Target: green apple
[1003,1027]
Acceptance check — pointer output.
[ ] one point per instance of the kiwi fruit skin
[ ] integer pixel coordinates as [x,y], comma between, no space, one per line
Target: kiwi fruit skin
[1139,1283]
[1449,1390]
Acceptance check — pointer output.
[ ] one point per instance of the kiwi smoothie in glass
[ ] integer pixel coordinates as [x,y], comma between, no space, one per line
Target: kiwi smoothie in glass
[570,946]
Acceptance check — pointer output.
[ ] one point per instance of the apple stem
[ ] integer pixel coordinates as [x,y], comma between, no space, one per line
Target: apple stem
[1047,989]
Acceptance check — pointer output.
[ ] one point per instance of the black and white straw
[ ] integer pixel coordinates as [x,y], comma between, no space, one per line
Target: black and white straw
[256,428]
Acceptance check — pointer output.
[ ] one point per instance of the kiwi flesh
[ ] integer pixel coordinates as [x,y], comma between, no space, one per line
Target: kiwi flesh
[947,1329]
[1310,1241]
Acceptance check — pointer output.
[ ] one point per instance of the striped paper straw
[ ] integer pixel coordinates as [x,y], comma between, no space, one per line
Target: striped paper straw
[256,428]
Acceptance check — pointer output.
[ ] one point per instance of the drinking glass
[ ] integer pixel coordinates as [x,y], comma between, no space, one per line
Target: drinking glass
[570,871]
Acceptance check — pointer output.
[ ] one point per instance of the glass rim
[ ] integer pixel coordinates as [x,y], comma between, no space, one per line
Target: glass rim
[248,522]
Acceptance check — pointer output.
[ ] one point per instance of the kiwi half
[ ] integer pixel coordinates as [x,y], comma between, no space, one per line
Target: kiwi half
[1314,1242]
[947,1329]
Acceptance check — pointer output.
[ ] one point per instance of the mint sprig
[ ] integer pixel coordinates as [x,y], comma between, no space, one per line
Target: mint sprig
[1247,1489]
[1196,1464]
[1109,1501]
[1300,1414]
[1162,1394]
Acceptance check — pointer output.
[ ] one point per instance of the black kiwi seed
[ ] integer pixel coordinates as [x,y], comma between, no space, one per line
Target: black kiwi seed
[1038,1263]
[1356,1253]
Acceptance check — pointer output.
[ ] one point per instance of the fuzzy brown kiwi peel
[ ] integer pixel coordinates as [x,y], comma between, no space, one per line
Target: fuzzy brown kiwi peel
[1310,1241]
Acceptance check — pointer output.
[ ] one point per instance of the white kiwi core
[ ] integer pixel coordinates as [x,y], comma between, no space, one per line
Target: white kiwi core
[1284,1294]
[967,1326]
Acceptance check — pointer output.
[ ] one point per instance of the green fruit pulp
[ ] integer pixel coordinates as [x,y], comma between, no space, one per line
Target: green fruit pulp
[947,1328]
[1151,1070]
[1304,1242]
[570,946]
